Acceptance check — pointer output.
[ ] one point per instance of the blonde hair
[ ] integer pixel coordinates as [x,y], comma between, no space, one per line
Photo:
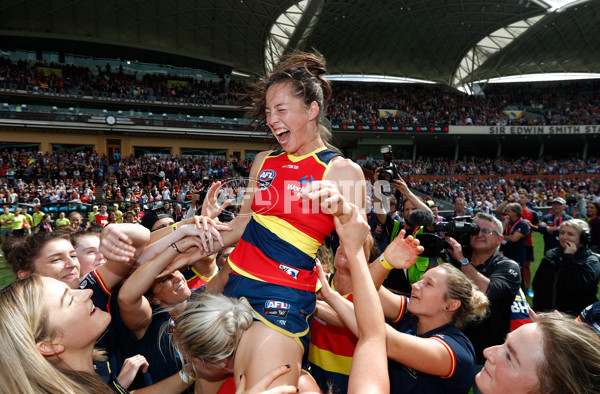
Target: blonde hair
[473,303]
[577,224]
[571,356]
[24,323]
[211,327]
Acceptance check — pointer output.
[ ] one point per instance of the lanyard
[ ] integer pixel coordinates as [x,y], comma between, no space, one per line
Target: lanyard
[414,231]
[510,231]
[559,221]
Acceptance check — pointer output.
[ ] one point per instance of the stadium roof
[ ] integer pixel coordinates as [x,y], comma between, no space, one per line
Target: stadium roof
[447,41]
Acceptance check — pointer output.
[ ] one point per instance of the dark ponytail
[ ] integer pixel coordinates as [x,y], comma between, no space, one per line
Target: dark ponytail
[304,71]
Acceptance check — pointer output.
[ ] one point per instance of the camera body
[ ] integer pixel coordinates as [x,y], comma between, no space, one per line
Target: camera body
[460,228]
[388,171]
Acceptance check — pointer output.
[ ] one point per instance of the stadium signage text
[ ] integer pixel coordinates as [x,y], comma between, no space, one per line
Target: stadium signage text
[527,130]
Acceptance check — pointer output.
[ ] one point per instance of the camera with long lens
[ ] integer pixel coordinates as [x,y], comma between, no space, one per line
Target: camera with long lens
[460,228]
[388,171]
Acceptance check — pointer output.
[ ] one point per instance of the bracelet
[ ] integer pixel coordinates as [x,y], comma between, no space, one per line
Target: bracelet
[174,246]
[174,227]
[384,263]
[186,378]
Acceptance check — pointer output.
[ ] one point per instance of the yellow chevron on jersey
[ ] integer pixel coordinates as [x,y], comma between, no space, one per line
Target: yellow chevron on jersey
[334,362]
[291,234]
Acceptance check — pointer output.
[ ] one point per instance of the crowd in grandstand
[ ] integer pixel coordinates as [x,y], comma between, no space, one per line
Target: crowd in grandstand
[36,177]
[39,75]
[562,104]
[67,176]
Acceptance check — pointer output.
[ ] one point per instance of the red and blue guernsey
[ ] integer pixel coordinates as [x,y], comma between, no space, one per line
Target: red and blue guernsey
[330,352]
[195,280]
[280,242]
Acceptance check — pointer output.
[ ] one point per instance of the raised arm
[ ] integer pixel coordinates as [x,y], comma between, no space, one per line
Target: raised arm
[237,226]
[120,244]
[428,355]
[368,373]
[205,228]
[136,311]
[400,254]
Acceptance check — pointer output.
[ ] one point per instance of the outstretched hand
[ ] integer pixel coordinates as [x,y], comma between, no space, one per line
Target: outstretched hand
[402,252]
[400,185]
[210,205]
[191,249]
[326,291]
[207,230]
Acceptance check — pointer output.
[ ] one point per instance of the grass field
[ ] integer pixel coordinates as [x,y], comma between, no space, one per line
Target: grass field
[6,275]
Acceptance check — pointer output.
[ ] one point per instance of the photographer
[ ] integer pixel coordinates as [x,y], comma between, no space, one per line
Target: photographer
[400,280]
[516,231]
[497,276]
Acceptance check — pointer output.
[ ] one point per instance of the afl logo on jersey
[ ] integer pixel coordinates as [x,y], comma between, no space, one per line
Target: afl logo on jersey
[265,178]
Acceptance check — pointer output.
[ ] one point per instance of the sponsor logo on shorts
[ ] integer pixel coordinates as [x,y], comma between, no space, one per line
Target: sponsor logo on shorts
[289,270]
[277,308]
[265,178]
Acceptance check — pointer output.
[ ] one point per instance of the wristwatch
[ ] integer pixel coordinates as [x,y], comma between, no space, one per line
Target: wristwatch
[464,261]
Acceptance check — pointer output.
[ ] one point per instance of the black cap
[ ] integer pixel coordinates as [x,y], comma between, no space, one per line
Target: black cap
[153,216]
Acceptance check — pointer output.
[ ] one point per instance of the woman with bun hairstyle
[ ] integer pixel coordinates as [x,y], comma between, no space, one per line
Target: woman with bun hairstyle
[273,263]
[567,278]
[428,351]
[206,337]
[272,267]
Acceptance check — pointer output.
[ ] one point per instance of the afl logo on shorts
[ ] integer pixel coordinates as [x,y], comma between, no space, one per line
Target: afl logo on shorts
[277,308]
[265,178]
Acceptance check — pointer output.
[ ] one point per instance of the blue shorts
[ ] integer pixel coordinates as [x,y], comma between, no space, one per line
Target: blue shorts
[284,309]
[5,231]
[529,253]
